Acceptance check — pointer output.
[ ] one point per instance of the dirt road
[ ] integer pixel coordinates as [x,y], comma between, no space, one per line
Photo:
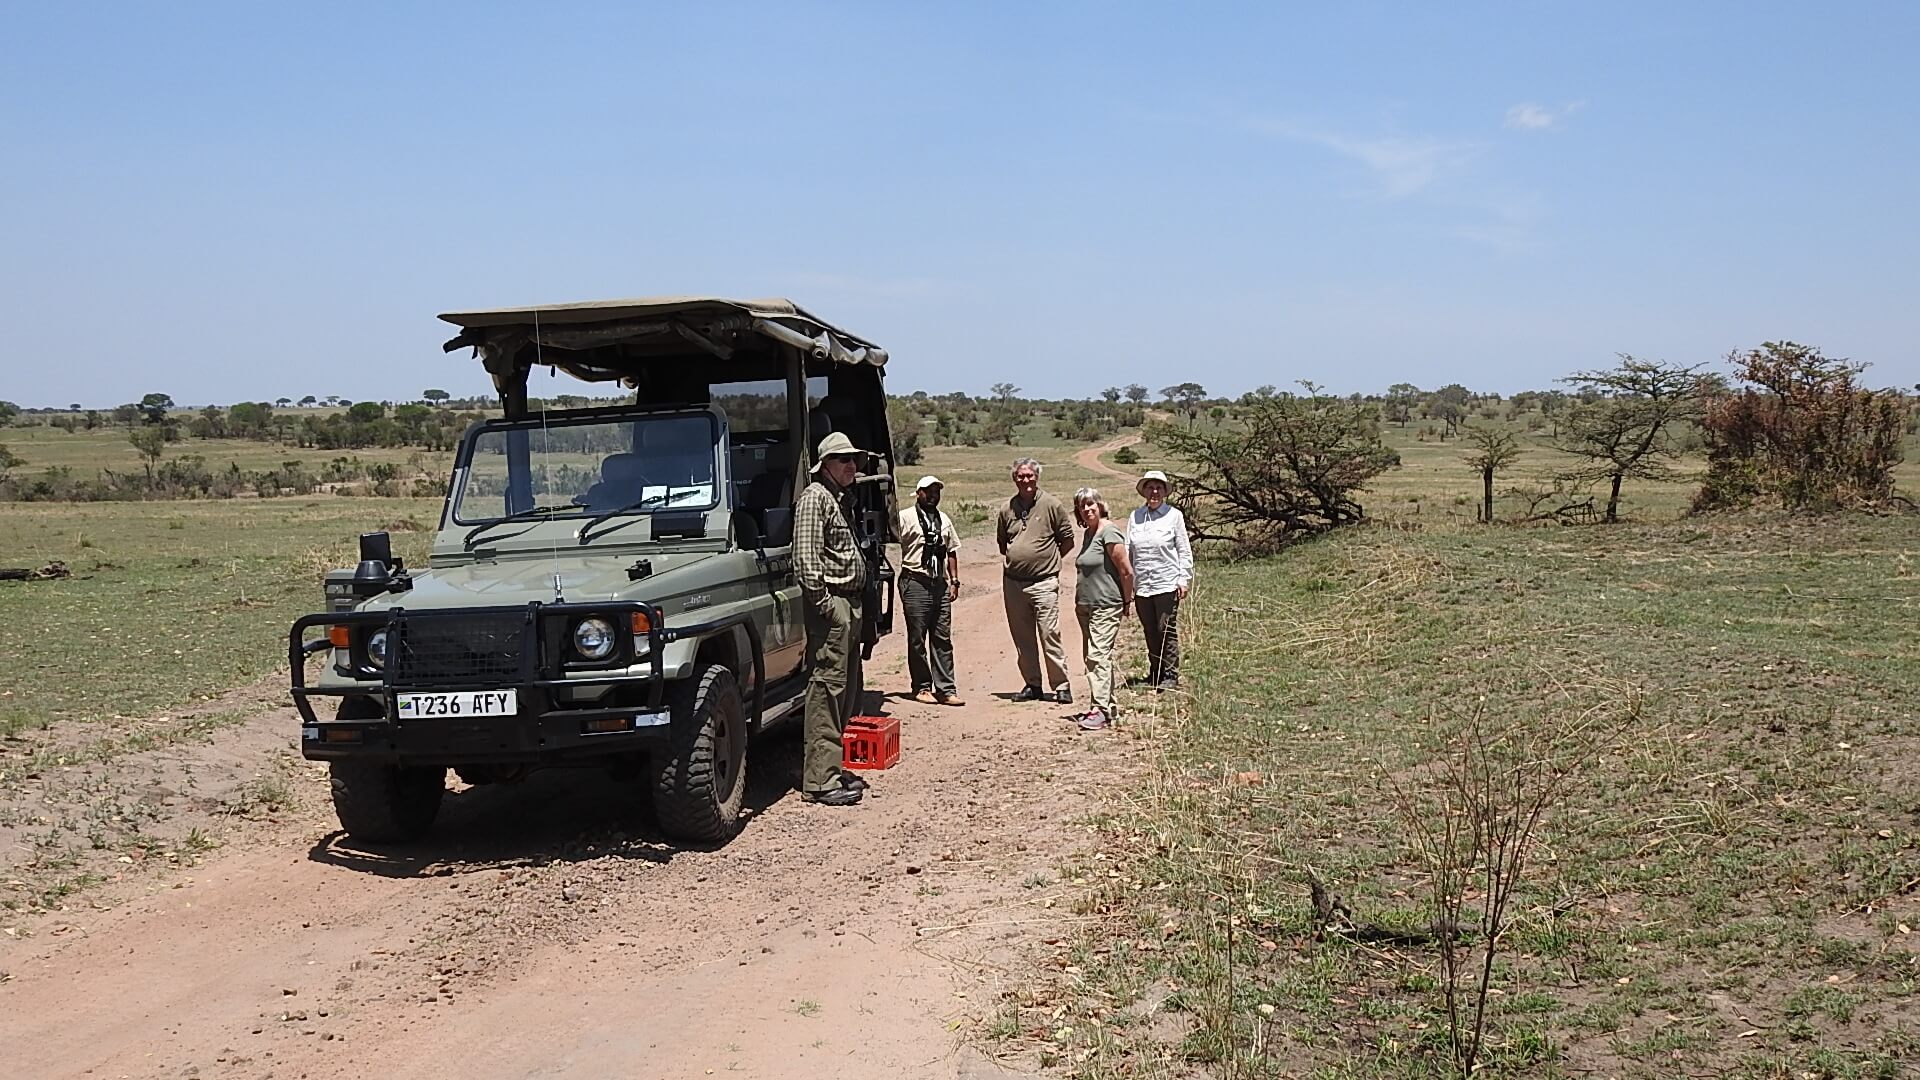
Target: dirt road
[1090,457]
[546,931]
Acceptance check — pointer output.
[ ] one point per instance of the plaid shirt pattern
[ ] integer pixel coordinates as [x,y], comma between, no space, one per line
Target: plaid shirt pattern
[825,556]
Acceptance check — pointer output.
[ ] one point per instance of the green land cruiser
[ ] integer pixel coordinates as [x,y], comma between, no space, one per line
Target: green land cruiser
[610,586]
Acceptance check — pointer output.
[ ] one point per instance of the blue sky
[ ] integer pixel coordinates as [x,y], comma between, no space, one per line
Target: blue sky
[228,202]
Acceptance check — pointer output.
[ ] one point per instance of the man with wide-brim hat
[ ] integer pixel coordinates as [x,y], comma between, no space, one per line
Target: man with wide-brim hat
[929,584]
[833,576]
[1162,557]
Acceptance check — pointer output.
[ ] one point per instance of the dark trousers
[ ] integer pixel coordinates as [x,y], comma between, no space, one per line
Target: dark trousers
[1160,618]
[929,633]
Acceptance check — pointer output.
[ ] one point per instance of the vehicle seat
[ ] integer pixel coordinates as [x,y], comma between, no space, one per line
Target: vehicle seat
[677,454]
[622,482]
[769,500]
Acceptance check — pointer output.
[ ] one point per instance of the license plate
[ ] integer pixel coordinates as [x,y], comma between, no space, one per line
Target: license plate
[463,703]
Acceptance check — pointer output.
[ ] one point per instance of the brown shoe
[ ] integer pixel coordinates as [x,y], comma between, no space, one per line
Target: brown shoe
[950,699]
[924,697]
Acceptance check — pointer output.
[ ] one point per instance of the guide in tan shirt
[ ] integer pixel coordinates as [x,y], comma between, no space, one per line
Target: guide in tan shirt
[1034,532]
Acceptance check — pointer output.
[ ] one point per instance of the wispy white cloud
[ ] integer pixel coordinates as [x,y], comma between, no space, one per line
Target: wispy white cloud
[1404,165]
[1528,116]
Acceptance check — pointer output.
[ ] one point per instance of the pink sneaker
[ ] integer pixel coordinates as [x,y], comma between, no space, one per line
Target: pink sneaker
[1095,720]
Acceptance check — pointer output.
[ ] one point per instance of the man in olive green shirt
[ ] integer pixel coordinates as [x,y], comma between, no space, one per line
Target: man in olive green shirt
[832,575]
[1034,532]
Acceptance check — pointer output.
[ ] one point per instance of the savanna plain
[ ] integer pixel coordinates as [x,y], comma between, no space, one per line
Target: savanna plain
[1712,716]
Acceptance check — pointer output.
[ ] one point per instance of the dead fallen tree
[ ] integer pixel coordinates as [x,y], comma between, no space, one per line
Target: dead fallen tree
[49,572]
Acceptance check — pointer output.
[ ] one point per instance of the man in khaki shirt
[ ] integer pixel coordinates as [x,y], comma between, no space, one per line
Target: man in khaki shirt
[929,584]
[1034,532]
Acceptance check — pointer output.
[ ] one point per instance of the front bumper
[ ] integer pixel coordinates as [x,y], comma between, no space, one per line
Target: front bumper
[547,729]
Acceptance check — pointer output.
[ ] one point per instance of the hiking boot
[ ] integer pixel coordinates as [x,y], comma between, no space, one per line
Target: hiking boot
[949,699]
[853,781]
[835,796]
[924,697]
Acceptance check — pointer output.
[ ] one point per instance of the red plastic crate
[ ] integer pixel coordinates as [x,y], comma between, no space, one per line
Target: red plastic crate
[870,742]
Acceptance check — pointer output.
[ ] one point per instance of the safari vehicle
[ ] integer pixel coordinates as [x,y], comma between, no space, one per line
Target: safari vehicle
[609,586]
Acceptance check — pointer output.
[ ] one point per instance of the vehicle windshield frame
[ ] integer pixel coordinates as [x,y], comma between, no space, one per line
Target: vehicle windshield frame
[628,415]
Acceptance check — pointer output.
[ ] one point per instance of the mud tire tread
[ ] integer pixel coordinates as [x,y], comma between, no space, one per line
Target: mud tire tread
[687,798]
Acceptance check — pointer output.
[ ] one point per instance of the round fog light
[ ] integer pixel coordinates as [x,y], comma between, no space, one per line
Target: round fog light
[593,638]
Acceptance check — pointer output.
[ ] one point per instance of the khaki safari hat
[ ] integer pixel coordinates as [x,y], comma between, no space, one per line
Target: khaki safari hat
[927,482]
[1151,474]
[836,444]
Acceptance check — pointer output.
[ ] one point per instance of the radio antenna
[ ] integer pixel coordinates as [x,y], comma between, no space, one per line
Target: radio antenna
[546,467]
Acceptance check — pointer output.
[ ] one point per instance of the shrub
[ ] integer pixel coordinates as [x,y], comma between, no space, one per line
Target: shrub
[1801,433]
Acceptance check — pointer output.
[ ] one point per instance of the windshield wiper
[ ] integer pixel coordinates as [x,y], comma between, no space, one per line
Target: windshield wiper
[662,499]
[529,514]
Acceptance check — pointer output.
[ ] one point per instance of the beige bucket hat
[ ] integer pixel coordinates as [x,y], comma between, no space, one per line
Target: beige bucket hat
[836,444]
[1140,486]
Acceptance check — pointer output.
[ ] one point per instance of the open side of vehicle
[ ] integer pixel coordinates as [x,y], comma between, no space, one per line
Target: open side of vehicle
[609,586]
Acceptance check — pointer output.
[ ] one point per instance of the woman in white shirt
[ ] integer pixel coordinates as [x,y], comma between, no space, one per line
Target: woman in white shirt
[1162,572]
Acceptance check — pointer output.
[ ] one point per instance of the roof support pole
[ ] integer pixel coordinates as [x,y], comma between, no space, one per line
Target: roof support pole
[512,384]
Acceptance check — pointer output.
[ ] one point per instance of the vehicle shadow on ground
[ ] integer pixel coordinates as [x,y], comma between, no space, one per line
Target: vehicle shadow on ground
[556,816]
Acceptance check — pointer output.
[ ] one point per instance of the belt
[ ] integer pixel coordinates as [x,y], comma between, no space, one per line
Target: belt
[1029,580]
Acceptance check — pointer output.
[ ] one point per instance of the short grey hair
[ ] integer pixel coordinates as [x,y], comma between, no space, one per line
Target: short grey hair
[1023,462]
[1090,495]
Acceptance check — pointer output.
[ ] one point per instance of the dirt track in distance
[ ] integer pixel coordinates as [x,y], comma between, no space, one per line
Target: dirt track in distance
[1090,457]
[545,930]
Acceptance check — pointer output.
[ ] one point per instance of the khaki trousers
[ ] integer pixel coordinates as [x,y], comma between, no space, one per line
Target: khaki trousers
[1033,615]
[831,656]
[1099,626]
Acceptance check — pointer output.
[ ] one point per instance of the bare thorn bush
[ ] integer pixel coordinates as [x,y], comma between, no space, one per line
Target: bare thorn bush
[1475,814]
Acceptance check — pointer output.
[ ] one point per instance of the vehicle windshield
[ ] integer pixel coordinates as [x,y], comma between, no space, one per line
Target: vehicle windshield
[590,467]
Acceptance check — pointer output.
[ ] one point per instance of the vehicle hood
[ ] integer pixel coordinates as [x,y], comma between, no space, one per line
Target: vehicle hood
[513,581]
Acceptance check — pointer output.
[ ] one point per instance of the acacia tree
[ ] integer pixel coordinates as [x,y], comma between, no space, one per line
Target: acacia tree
[154,407]
[1624,424]
[1292,467]
[1136,393]
[1187,396]
[1400,400]
[151,442]
[1493,450]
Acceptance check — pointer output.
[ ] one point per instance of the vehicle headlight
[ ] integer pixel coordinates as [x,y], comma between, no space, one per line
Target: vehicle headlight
[593,638]
[377,649]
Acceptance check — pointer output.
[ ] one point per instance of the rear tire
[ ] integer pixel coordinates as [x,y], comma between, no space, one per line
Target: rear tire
[386,803]
[700,777]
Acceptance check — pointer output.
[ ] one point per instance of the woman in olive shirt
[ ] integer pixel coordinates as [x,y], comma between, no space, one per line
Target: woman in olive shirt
[1102,596]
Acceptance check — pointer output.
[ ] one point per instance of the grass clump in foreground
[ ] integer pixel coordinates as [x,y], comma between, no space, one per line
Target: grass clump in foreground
[1713,720]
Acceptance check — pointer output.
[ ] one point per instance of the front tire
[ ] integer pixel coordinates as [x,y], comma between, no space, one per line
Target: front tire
[386,803]
[700,778]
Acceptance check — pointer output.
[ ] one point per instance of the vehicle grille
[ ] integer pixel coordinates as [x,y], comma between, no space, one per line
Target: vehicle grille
[458,649]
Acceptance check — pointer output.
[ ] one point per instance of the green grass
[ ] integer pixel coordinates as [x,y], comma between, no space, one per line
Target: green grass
[170,602]
[1727,851]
